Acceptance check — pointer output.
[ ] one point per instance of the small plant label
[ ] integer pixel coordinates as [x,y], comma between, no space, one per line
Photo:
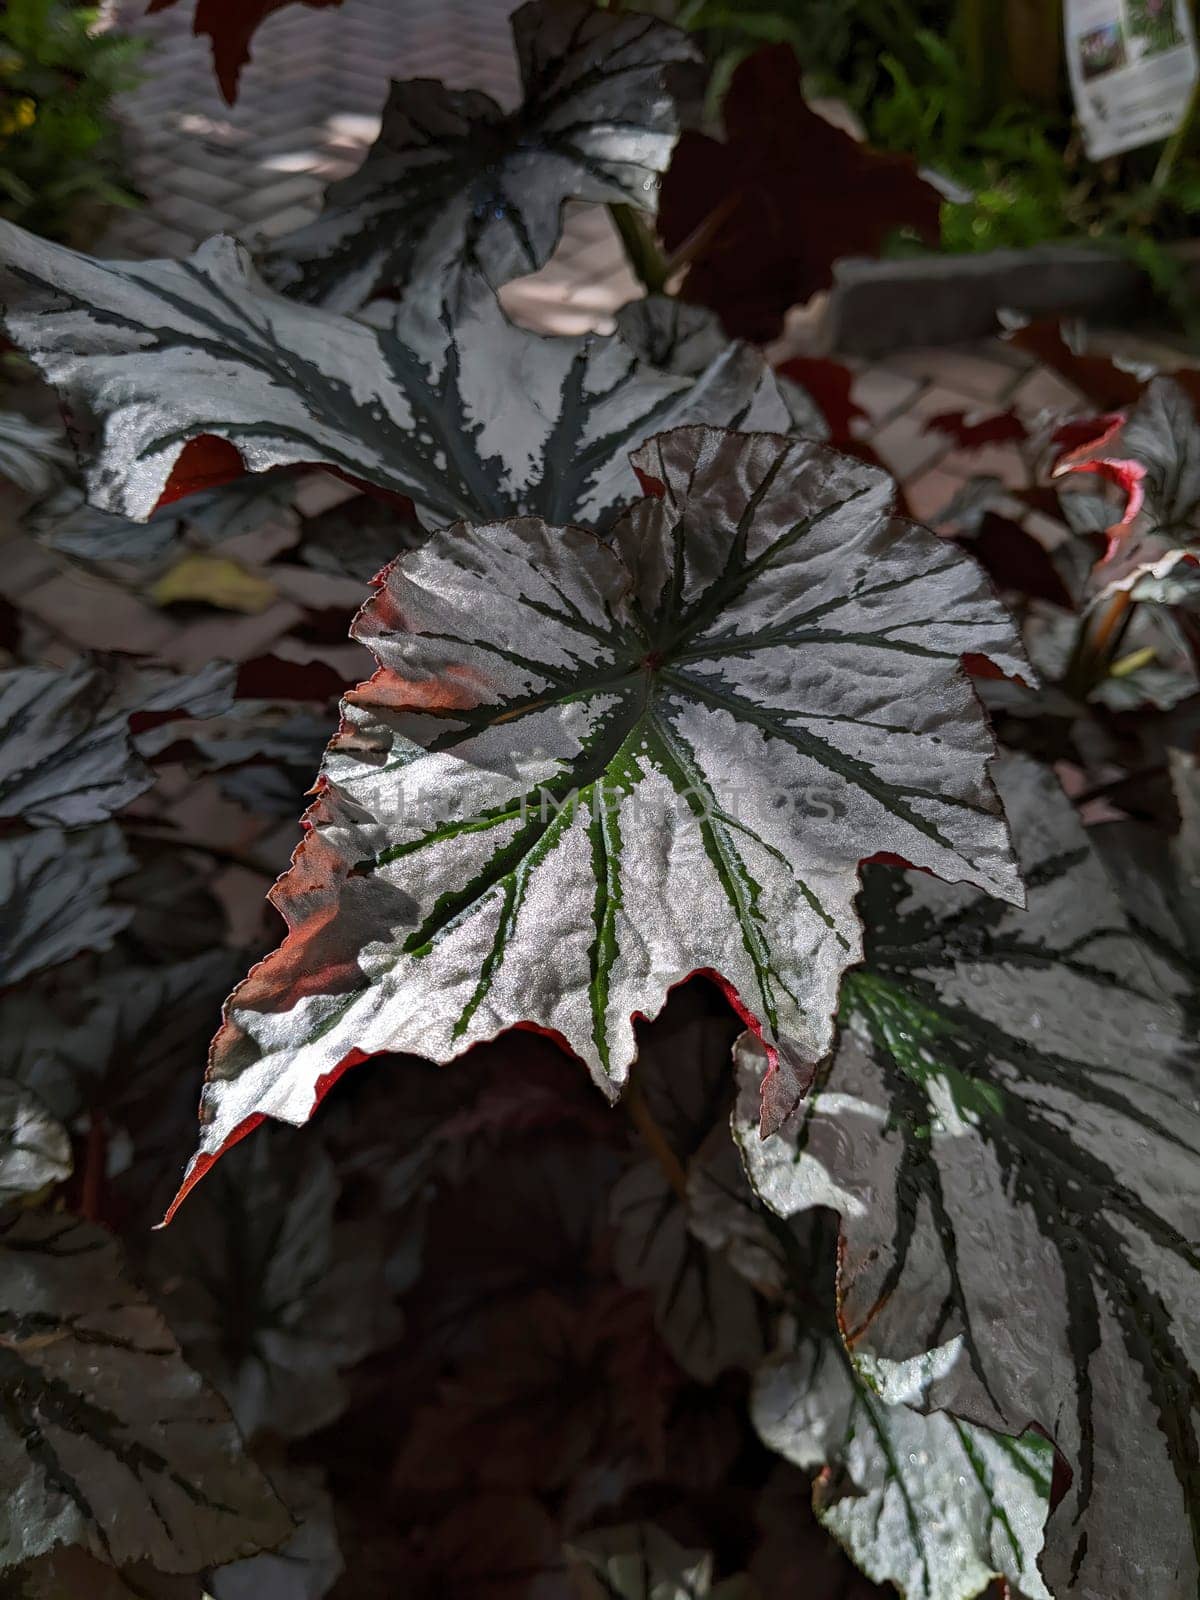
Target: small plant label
[1133,67]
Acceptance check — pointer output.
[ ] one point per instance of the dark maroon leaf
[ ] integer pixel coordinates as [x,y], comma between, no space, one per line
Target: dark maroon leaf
[784,197]
[1014,559]
[969,433]
[272,678]
[498,1546]
[556,1389]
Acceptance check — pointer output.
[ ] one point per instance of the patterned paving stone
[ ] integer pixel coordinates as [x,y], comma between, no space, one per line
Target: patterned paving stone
[93,614]
[906,447]
[988,374]
[930,493]
[310,99]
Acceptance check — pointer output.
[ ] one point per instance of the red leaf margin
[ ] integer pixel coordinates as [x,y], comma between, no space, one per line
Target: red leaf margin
[1129,476]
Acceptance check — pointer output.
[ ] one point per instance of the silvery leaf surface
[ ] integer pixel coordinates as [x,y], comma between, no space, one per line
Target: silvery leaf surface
[454,188]
[928,1503]
[466,414]
[109,1440]
[1009,1130]
[34,1146]
[932,1504]
[585,771]
[67,757]
[54,896]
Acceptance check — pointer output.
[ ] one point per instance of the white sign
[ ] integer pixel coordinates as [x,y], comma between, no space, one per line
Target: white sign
[1133,65]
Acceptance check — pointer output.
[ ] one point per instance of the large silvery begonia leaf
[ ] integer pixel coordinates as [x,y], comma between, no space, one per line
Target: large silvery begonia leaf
[932,1504]
[67,756]
[108,1439]
[1009,1131]
[584,771]
[469,416]
[456,188]
[929,1503]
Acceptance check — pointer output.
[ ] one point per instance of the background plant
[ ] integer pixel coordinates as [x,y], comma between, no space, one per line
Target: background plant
[59,145]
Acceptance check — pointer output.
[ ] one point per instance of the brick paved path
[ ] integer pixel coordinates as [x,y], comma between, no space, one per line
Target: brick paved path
[309,105]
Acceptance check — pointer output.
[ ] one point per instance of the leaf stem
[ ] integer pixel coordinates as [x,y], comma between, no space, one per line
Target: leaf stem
[95,1166]
[656,1140]
[701,235]
[642,249]
[1096,644]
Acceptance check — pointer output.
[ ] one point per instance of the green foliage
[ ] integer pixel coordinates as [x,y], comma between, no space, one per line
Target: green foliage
[952,83]
[59,151]
[840,42]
